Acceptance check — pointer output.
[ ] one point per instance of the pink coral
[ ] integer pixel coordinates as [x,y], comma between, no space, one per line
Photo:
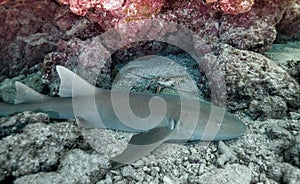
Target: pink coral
[3,1]
[235,6]
[137,9]
[108,13]
[112,4]
[129,9]
[80,7]
[231,6]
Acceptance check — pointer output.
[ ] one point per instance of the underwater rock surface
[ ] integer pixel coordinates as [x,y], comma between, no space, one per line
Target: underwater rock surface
[53,147]
[290,23]
[287,56]
[33,28]
[30,29]
[253,78]
[88,172]
[37,148]
[60,152]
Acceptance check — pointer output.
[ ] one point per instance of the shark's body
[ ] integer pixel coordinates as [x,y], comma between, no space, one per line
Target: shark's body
[63,108]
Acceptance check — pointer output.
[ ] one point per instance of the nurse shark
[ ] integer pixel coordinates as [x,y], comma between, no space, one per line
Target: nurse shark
[179,124]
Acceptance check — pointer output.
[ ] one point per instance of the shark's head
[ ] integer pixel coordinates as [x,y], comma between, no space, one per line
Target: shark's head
[231,127]
[215,128]
[210,123]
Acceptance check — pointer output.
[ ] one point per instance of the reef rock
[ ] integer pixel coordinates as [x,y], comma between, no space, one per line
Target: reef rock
[89,54]
[253,79]
[232,6]
[38,148]
[290,23]
[31,29]
[292,154]
[287,55]
[16,124]
[85,171]
[226,176]
[243,24]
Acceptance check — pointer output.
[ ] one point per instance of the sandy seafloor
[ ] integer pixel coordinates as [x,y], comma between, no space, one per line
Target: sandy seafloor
[36,149]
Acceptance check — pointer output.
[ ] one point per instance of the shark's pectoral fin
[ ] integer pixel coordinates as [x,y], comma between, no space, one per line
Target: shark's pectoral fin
[140,145]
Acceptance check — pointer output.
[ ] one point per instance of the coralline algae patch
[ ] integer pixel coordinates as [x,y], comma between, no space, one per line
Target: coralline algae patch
[231,6]
[141,8]
[130,10]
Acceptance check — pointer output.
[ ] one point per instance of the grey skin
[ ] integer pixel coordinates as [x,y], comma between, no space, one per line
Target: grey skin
[182,121]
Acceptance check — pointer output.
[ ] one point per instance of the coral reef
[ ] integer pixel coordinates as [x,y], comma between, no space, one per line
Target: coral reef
[90,54]
[252,77]
[253,28]
[290,23]
[42,143]
[228,35]
[133,9]
[231,6]
[287,55]
[291,154]
[267,153]
[31,29]
[126,10]
[254,83]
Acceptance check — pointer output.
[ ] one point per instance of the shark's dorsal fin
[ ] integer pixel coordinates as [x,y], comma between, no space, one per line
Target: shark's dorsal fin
[25,94]
[66,87]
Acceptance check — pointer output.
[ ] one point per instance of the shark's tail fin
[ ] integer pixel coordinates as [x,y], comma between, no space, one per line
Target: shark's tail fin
[5,109]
